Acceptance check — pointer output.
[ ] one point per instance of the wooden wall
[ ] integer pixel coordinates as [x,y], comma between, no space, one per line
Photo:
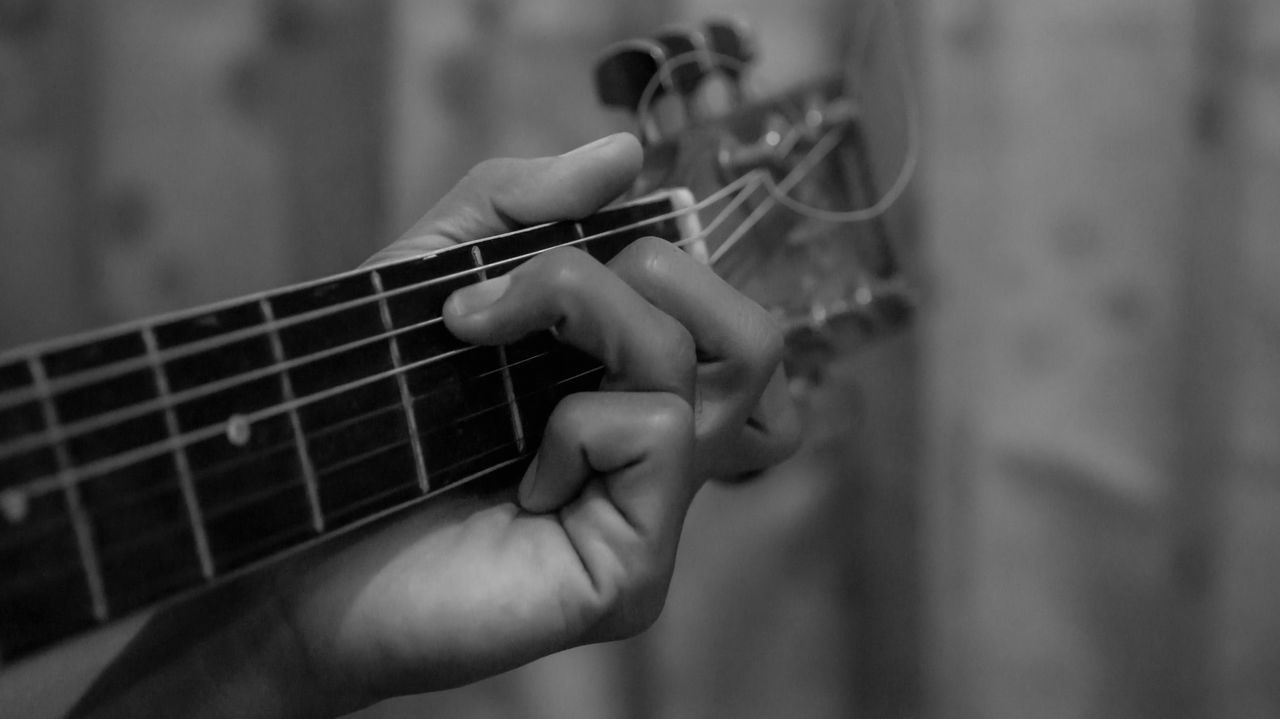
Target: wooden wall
[1102,361]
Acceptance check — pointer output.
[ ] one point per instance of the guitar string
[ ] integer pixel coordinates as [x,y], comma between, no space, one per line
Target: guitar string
[72,430]
[911,158]
[203,475]
[275,536]
[48,525]
[857,53]
[38,486]
[780,191]
[217,510]
[54,569]
[119,368]
[749,179]
[798,173]
[751,221]
[49,484]
[644,106]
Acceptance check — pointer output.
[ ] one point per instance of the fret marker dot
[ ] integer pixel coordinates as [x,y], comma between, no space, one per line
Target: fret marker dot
[13,504]
[238,430]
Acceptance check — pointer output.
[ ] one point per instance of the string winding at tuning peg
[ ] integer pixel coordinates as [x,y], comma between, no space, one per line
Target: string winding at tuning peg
[687,78]
[873,312]
[910,161]
[732,48]
[624,75]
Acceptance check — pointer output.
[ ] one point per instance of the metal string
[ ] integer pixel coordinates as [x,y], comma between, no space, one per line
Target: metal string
[52,483]
[216,510]
[116,369]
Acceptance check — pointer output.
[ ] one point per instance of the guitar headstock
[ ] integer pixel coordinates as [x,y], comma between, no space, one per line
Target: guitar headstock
[774,178]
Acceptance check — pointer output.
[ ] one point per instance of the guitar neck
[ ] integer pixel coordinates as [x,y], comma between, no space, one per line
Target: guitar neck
[152,460]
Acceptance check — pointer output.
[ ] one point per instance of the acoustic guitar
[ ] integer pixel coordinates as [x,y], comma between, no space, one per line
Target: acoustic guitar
[148,462]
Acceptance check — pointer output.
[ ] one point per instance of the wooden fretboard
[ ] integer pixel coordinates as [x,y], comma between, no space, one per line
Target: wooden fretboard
[152,460]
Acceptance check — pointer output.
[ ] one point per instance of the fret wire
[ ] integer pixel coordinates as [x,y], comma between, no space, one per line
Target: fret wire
[304,458]
[17,446]
[369,499]
[402,383]
[239,503]
[41,485]
[282,486]
[20,445]
[517,426]
[179,456]
[347,527]
[223,466]
[317,435]
[139,409]
[81,527]
[215,511]
[273,489]
[107,464]
[114,369]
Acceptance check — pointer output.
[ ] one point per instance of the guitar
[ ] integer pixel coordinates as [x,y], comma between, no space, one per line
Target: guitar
[148,462]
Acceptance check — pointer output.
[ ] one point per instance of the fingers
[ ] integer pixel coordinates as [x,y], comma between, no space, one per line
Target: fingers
[624,459]
[601,433]
[745,418]
[504,194]
[770,434]
[590,308]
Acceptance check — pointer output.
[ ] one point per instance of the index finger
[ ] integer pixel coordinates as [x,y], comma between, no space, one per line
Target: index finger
[505,194]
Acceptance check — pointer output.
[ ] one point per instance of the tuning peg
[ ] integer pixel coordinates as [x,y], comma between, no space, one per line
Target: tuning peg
[690,50]
[624,72]
[873,312]
[771,151]
[732,48]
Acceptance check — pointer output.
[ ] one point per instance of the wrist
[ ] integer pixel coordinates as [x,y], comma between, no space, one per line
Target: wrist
[231,653]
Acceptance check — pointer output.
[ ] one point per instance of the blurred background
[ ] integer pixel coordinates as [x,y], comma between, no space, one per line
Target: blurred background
[1058,496]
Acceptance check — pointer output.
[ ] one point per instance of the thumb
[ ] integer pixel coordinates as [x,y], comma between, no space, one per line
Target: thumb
[505,194]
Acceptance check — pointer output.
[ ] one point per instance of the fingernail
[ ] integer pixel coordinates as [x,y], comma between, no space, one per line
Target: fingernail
[473,298]
[591,146]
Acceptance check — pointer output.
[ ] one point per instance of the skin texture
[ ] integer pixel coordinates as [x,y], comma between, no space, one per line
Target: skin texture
[464,588]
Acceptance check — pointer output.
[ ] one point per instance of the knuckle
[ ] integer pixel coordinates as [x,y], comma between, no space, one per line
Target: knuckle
[487,172]
[765,346]
[571,415]
[680,345]
[565,269]
[669,421]
[675,346]
[648,259]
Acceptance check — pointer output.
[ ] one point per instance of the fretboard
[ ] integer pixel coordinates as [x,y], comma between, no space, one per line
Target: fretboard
[149,461]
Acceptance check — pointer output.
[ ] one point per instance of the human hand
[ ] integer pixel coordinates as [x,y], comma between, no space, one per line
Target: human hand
[464,588]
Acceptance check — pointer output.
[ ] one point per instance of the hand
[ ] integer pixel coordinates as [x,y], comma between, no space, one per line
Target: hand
[465,588]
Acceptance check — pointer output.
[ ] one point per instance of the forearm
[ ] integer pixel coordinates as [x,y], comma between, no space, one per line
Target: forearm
[222,656]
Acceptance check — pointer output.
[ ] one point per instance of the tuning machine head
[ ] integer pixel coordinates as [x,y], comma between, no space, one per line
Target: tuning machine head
[690,57]
[623,75]
[732,48]
[829,330]
[677,62]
